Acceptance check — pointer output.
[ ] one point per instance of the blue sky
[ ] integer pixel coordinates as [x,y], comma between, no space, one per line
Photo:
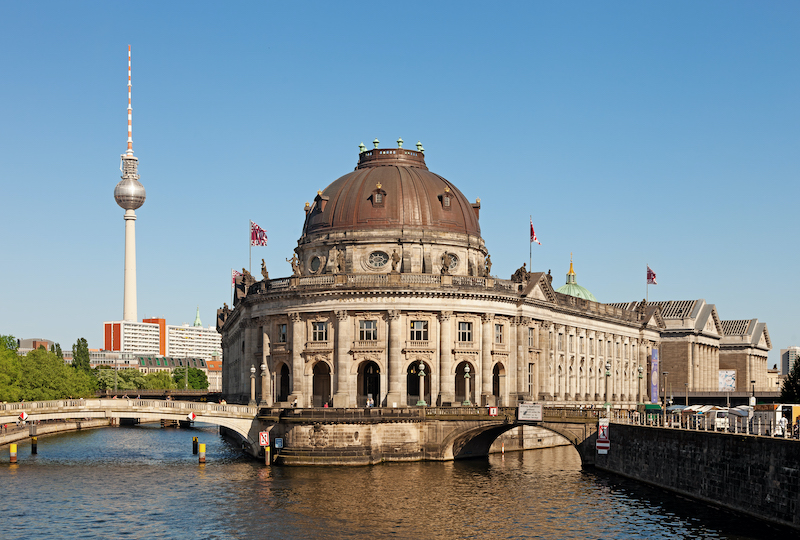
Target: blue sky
[665,133]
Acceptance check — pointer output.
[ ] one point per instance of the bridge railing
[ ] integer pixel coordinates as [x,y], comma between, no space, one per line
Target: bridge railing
[32,407]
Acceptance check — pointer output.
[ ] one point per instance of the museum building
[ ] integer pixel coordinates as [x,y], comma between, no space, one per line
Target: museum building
[392,302]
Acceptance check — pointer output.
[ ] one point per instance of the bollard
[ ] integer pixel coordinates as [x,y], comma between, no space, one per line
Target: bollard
[194,445]
[267,456]
[34,444]
[12,450]
[503,448]
[202,453]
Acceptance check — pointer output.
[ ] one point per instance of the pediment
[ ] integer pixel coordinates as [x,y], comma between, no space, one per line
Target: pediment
[538,288]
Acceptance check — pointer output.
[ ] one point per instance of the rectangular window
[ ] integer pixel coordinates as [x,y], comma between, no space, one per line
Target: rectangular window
[581,345]
[560,342]
[465,332]
[419,330]
[531,338]
[368,330]
[571,342]
[498,333]
[319,331]
[531,372]
[281,333]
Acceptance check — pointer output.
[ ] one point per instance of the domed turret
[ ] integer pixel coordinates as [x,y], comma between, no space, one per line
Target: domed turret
[573,289]
[391,203]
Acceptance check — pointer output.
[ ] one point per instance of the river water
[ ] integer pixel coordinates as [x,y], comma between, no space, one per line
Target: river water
[144,482]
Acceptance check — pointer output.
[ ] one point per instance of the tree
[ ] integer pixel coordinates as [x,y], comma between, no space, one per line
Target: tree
[41,375]
[126,379]
[9,374]
[80,355]
[197,378]
[159,381]
[59,352]
[790,390]
[8,342]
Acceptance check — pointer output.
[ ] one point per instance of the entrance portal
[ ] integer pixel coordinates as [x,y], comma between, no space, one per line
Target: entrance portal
[283,384]
[322,385]
[462,395]
[369,384]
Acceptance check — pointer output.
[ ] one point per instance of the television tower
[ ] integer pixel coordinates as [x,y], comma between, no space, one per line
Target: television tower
[130,195]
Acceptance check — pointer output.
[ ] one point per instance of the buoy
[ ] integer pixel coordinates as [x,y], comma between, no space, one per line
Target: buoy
[34,444]
[194,445]
[12,450]
[202,453]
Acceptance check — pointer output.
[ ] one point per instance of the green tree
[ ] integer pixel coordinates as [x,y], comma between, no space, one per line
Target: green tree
[197,378]
[9,375]
[790,390]
[43,376]
[59,352]
[159,381]
[126,379]
[8,342]
[80,355]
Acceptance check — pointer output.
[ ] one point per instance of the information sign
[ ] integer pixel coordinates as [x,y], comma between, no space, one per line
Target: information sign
[492,411]
[191,416]
[530,412]
[23,416]
[602,429]
[263,438]
[278,443]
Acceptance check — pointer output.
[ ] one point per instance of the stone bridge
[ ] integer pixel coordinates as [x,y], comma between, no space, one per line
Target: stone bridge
[328,436]
[238,418]
[373,435]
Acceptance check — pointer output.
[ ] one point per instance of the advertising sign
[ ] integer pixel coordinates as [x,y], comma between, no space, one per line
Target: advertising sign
[654,377]
[727,380]
[530,412]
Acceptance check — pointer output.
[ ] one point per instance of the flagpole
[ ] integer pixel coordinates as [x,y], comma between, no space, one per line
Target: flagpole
[250,243]
[232,285]
[530,250]
[647,286]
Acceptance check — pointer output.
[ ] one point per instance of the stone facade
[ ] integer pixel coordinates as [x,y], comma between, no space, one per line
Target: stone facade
[392,293]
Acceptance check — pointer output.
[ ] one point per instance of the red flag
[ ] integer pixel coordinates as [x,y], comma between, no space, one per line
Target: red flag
[234,275]
[651,277]
[258,236]
[533,235]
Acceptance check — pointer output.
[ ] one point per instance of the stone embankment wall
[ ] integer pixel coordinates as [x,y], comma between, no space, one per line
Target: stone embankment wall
[758,476]
[15,435]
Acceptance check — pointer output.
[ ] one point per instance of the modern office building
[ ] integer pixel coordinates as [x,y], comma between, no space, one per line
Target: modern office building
[788,358]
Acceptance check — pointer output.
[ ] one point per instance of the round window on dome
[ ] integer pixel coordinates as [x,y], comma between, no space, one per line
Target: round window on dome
[453,261]
[378,259]
[315,263]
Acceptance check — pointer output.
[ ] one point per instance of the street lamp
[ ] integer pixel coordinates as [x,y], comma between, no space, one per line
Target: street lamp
[665,397]
[252,386]
[607,405]
[686,384]
[421,402]
[639,398]
[466,402]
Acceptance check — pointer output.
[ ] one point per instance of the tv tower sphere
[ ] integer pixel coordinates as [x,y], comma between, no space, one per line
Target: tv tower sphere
[129,192]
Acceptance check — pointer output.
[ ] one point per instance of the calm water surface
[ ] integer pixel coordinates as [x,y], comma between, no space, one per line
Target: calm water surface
[144,482]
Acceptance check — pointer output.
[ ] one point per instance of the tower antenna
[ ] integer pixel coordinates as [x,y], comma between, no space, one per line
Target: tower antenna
[130,110]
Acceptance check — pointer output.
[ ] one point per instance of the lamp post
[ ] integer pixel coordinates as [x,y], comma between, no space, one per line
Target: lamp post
[252,386]
[264,375]
[607,405]
[466,402]
[665,397]
[421,402]
[686,384]
[753,395]
[639,398]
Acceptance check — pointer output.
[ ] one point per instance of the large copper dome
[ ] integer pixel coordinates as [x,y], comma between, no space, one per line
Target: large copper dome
[391,189]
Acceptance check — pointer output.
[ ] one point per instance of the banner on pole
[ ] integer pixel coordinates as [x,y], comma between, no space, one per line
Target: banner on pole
[654,376]
[258,236]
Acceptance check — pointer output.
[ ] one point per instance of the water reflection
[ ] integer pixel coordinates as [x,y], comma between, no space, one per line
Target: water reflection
[144,482]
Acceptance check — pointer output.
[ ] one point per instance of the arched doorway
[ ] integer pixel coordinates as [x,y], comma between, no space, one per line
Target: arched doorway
[462,395]
[283,383]
[498,383]
[414,396]
[322,385]
[369,384]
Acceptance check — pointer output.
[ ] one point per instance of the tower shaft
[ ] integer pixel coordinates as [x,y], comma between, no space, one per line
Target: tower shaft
[129,299]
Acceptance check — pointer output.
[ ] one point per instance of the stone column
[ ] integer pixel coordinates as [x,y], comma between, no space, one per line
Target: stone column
[267,398]
[447,382]
[543,390]
[485,376]
[298,338]
[395,395]
[341,399]
[520,374]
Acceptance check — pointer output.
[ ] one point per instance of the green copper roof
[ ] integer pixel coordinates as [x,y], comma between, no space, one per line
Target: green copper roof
[573,289]
[197,318]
